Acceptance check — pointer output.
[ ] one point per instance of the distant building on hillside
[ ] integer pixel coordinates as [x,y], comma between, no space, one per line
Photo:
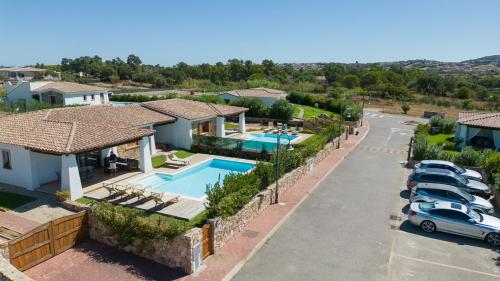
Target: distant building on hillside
[268,96]
[57,92]
[24,73]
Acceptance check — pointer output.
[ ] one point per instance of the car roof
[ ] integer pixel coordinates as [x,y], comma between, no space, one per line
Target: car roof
[437,162]
[433,171]
[450,206]
[436,186]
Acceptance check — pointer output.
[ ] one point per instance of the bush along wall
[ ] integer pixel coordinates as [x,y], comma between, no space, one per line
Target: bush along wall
[237,190]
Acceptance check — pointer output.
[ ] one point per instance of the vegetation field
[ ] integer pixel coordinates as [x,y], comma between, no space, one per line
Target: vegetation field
[9,201]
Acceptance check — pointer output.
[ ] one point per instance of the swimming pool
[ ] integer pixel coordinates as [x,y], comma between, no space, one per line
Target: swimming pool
[192,182]
[265,141]
[120,103]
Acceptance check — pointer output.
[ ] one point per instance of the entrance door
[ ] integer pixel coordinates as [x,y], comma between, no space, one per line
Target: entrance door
[206,245]
[52,99]
[92,158]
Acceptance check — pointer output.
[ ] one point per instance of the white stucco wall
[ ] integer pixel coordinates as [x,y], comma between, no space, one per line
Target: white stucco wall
[179,134]
[18,91]
[77,98]
[20,174]
[46,167]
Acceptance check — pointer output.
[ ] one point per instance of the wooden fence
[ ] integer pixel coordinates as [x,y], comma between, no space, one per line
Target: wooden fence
[48,240]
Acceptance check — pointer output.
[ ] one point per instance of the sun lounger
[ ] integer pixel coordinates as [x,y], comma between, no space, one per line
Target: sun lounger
[109,187]
[175,158]
[136,190]
[173,161]
[161,198]
[121,189]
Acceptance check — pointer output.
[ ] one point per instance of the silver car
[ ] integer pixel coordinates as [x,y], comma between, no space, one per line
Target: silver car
[430,192]
[455,218]
[447,165]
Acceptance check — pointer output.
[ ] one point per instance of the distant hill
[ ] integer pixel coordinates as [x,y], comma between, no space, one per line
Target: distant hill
[489,65]
[485,60]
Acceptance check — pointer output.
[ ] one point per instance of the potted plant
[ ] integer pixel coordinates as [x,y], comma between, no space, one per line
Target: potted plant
[62,196]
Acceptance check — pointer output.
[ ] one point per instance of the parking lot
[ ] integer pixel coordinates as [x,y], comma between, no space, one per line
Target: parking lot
[353,226]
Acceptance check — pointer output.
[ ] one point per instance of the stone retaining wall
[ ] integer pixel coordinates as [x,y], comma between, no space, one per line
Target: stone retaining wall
[225,229]
[9,273]
[182,253]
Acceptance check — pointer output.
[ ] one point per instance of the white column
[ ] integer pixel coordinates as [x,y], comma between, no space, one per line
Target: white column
[241,121]
[70,176]
[152,142]
[145,161]
[220,131]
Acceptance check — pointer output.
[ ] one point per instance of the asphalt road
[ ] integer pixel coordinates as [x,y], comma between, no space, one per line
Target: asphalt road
[352,227]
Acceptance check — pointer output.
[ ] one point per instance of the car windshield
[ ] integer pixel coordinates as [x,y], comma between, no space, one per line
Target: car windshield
[466,195]
[473,214]
[426,206]
[460,169]
[461,179]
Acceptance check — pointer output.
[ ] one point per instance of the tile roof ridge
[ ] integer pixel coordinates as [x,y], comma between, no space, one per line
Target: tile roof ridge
[214,109]
[46,117]
[71,137]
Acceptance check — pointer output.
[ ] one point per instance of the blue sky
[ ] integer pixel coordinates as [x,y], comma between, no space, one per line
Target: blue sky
[166,32]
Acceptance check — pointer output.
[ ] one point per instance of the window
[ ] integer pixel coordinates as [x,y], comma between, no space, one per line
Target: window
[84,97]
[437,192]
[93,97]
[6,159]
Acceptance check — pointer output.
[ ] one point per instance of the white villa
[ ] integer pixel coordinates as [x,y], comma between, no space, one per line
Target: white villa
[55,145]
[20,73]
[57,92]
[267,96]
[478,128]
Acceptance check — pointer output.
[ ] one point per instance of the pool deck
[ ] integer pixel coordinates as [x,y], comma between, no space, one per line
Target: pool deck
[185,209]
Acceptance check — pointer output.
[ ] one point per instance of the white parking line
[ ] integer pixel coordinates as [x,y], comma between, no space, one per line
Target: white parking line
[447,265]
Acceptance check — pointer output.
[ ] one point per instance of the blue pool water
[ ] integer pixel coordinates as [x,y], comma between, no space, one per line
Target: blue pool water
[120,103]
[193,182]
[265,141]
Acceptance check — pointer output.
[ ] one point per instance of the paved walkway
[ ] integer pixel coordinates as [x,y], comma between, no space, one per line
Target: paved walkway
[233,255]
[94,261]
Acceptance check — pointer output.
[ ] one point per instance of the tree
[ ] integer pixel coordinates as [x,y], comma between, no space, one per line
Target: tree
[431,84]
[370,79]
[334,72]
[464,92]
[350,81]
[256,107]
[133,60]
[405,107]
[282,110]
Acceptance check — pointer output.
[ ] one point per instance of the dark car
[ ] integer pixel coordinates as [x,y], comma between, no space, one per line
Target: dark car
[450,178]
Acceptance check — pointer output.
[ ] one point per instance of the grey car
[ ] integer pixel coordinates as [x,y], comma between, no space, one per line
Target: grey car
[455,218]
[450,178]
[447,165]
[430,192]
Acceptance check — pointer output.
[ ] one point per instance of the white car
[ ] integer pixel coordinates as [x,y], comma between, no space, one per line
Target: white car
[447,165]
[455,218]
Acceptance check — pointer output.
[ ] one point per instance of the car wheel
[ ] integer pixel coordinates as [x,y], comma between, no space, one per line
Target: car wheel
[428,226]
[493,239]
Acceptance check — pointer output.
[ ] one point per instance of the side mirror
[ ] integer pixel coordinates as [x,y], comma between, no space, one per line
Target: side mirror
[471,221]
[463,201]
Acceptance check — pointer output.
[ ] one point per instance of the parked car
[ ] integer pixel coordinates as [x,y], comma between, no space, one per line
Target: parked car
[430,192]
[447,165]
[455,218]
[448,177]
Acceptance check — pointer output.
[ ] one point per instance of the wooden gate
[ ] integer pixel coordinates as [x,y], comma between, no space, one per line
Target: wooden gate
[206,241]
[48,240]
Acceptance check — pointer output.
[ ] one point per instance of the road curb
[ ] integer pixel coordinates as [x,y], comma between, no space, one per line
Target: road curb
[238,267]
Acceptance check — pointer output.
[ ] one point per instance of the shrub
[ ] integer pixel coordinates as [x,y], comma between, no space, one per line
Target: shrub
[256,107]
[420,144]
[469,157]
[405,107]
[492,164]
[446,126]
[62,195]
[130,223]
[422,129]
[282,110]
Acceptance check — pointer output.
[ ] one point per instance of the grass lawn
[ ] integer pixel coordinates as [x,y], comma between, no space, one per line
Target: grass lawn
[183,154]
[11,201]
[311,111]
[445,140]
[229,125]
[158,160]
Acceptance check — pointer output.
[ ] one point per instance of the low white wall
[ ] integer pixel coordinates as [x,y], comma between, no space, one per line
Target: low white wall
[266,100]
[178,134]
[20,174]
[46,167]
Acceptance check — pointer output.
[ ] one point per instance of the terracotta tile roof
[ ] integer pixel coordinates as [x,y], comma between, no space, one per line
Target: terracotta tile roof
[35,131]
[67,87]
[480,119]
[258,92]
[108,115]
[21,69]
[192,110]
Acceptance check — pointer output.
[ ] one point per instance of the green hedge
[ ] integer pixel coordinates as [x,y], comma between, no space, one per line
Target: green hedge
[237,190]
